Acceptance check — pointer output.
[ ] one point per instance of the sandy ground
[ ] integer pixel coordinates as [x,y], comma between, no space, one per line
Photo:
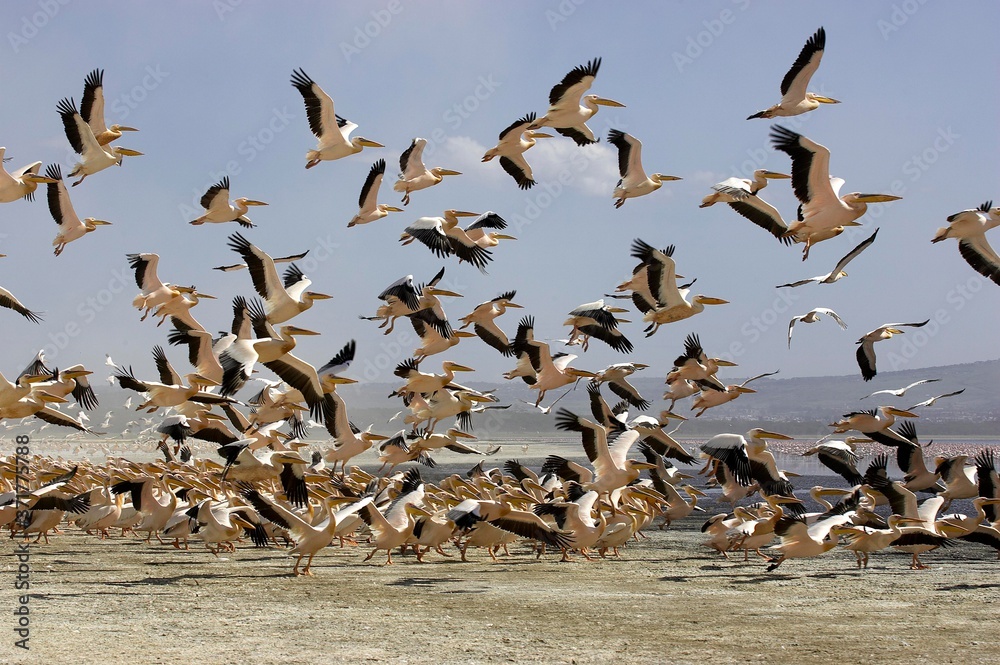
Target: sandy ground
[666,600]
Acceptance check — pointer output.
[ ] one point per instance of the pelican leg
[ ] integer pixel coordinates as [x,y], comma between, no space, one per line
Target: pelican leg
[308,570]
[776,563]
[295,568]
[463,548]
[565,556]
[371,554]
[493,554]
[585,554]
[443,553]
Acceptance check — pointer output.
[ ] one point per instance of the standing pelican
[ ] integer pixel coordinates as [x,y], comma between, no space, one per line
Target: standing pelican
[794,98]
[20,184]
[414,175]
[332,131]
[838,271]
[969,227]
[823,214]
[514,142]
[81,137]
[92,109]
[812,316]
[369,207]
[634,181]
[70,226]
[566,115]
[866,352]
[219,210]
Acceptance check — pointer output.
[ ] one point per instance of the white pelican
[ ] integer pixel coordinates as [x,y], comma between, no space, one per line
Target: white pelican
[566,115]
[8,300]
[93,157]
[332,131]
[539,368]
[899,392]
[414,175]
[823,214]
[482,320]
[695,365]
[282,300]
[669,303]
[930,402]
[794,98]
[799,540]
[712,397]
[840,457]
[369,209]
[812,316]
[70,225]
[575,516]
[863,540]
[444,237]
[277,259]
[634,181]
[741,195]
[154,292]
[402,298]
[92,109]
[170,390]
[418,382]
[20,184]
[616,376]
[910,459]
[970,227]
[219,210]
[393,528]
[514,142]
[838,271]
[679,389]
[875,424]
[348,441]
[595,319]
[866,352]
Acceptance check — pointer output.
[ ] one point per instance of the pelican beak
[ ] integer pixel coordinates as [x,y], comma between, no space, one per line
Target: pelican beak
[464,435]
[31,177]
[100,222]
[448,172]
[774,435]
[502,236]
[128,152]
[877,198]
[204,380]
[208,415]
[744,389]
[392,209]
[513,305]
[442,292]
[376,437]
[580,373]
[368,143]
[667,178]
[706,300]
[601,101]
[902,414]
[75,373]
[774,175]
[725,363]
[47,397]
[667,415]
[643,465]
[616,310]
[250,202]
[910,521]
[340,380]
[693,491]
[205,295]
[851,224]
[461,368]
[318,296]
[462,333]
[622,320]
[295,330]
[532,134]
[122,128]
[462,213]
[825,100]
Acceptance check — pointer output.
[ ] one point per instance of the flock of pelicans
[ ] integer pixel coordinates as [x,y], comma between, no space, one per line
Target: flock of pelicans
[269,486]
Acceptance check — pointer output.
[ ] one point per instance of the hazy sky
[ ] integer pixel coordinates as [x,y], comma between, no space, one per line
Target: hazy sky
[207,83]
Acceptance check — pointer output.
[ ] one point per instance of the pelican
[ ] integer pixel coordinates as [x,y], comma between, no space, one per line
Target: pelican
[541,370]
[711,397]
[812,316]
[575,517]
[794,98]
[899,392]
[92,109]
[219,210]
[866,352]
[823,214]
[800,540]
[634,181]
[332,131]
[22,183]
[679,389]
[741,195]
[347,442]
[402,298]
[414,175]
[595,319]
[969,227]
[863,540]
[277,259]
[70,225]
[81,137]
[669,303]
[444,237]
[282,300]
[566,115]
[875,424]
[418,382]
[695,365]
[482,320]
[154,292]
[8,300]
[514,142]
[838,271]
[616,376]
[930,402]
[370,209]
[170,390]
[840,457]
[393,528]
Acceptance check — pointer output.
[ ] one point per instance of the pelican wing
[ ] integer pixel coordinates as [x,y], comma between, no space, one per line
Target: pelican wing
[8,300]
[411,162]
[60,207]
[319,106]
[764,215]
[369,192]
[981,256]
[261,266]
[92,104]
[529,525]
[217,196]
[430,232]
[59,418]
[629,155]
[145,271]
[302,376]
[810,167]
[862,246]
[80,136]
[793,86]
[517,167]
[567,93]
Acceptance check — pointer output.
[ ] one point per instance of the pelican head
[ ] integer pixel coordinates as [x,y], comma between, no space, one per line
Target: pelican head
[74,373]
[92,223]
[532,134]
[742,389]
[440,172]
[452,213]
[724,363]
[771,175]
[122,128]
[38,179]
[366,143]
[249,202]
[893,411]
[434,291]
[821,98]
[659,177]
[316,296]
[388,208]
[125,152]
[706,300]
[580,373]
[198,379]
[455,367]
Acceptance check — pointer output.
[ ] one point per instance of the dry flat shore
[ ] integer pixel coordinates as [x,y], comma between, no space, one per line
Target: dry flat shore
[666,600]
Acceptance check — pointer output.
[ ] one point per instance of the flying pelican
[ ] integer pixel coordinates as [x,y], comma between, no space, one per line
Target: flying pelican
[277,259]
[219,210]
[695,365]
[482,320]
[838,271]
[70,225]
[332,131]
[616,376]
[741,195]
[712,397]
[840,457]
[823,214]
[866,352]
[170,389]
[402,298]
[812,316]
[899,392]
[794,98]
[81,137]
[92,109]
[930,402]
[370,209]
[595,319]
[566,115]
[8,300]
[801,540]
[444,237]
[414,175]
[284,300]
[154,292]
[875,424]
[20,184]
[514,142]
[970,227]
[537,366]
[418,382]
[669,303]
[634,181]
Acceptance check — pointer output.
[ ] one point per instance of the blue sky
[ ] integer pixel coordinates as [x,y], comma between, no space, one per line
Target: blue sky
[207,83]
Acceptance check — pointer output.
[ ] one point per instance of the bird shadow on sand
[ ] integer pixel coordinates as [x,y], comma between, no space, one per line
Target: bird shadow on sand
[966,587]
[425,582]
